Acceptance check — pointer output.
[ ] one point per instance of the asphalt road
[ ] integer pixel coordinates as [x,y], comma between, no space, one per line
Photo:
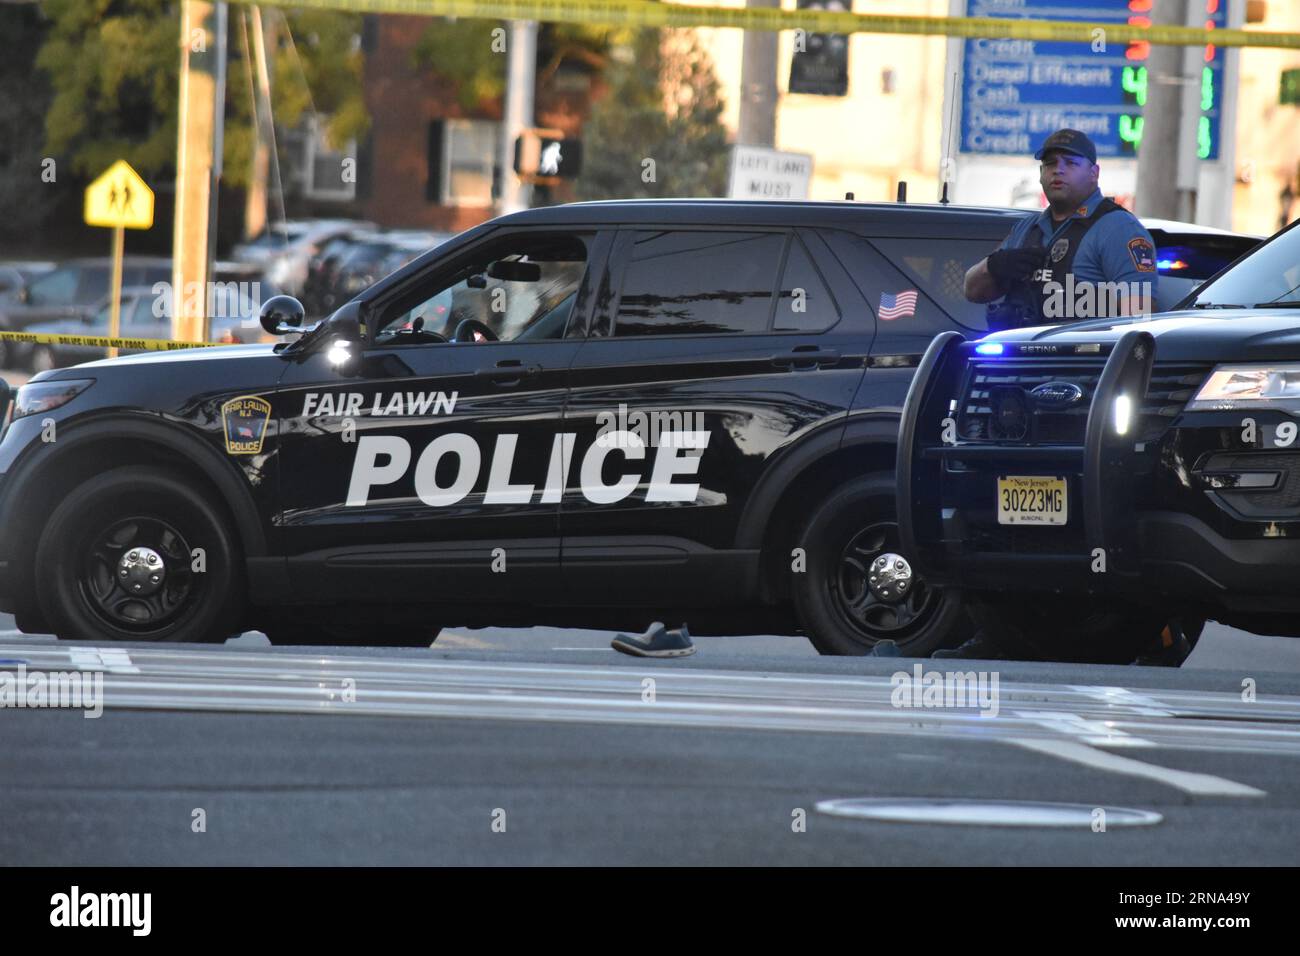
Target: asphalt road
[543,746]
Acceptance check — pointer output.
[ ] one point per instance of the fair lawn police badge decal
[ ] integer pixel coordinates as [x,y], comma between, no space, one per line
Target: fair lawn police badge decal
[244,419]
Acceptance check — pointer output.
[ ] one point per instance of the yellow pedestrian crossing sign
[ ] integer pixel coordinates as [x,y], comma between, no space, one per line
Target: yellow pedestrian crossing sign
[119,197]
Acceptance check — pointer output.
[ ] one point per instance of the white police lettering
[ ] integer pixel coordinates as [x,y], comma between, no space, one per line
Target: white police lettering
[350,404]
[384,459]
[593,464]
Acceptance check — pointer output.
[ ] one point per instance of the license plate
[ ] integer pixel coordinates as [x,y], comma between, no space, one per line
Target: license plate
[1031,499]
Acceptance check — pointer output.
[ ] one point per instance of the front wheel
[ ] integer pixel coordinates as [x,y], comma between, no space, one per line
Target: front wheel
[859,589]
[139,554]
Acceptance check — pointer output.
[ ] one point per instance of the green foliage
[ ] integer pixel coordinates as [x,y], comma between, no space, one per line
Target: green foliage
[468,51]
[22,108]
[114,66]
[663,104]
[472,54]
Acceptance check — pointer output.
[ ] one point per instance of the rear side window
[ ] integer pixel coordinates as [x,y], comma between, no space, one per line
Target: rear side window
[1197,256]
[805,304]
[699,282]
[939,267]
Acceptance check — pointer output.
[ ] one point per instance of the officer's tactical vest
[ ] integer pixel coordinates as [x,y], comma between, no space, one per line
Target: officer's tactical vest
[1058,261]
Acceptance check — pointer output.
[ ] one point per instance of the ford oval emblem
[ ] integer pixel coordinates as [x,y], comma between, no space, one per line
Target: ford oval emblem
[1056,394]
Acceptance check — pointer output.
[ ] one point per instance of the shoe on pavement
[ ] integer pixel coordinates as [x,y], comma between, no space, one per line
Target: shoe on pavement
[657,641]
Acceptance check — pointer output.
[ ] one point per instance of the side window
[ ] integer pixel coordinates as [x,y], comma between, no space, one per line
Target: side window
[805,304]
[699,282]
[520,288]
[94,284]
[939,267]
[57,288]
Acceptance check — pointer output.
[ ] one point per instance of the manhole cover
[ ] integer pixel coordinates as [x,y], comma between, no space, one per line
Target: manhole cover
[988,813]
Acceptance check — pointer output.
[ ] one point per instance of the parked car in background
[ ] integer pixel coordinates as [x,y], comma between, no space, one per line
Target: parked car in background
[17,276]
[71,290]
[147,314]
[285,249]
[356,262]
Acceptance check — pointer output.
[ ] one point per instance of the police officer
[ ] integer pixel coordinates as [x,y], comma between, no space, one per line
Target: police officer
[1043,268]
[1080,239]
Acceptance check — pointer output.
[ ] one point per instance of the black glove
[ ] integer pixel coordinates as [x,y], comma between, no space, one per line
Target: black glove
[1013,265]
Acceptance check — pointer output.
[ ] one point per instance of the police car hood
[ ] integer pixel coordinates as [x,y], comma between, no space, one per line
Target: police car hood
[1198,335]
[220,353]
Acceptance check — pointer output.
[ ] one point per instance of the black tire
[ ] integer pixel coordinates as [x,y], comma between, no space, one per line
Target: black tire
[316,627]
[1052,627]
[121,520]
[840,611]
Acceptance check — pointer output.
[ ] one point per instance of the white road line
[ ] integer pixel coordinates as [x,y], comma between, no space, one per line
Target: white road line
[1201,784]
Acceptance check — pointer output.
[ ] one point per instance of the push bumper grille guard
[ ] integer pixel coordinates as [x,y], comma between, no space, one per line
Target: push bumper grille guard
[1105,460]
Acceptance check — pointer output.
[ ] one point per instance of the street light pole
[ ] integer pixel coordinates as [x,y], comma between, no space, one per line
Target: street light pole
[517,111]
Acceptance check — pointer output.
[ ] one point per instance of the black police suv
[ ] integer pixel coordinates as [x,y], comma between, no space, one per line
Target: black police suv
[594,414]
[1085,484]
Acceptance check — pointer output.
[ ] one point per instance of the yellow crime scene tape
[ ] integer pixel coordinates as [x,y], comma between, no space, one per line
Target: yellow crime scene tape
[103,341]
[641,13]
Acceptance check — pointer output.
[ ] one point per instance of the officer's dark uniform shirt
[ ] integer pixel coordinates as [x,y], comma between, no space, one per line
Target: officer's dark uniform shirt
[1114,248]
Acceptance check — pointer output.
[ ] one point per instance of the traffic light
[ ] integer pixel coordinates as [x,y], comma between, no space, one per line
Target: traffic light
[544,156]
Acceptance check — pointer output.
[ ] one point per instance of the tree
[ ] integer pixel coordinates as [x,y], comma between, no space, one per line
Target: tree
[658,131]
[26,96]
[471,54]
[114,67]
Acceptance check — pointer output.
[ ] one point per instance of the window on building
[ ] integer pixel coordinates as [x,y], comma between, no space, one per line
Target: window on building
[466,151]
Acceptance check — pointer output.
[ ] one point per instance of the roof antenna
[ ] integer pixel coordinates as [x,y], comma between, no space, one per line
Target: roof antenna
[902,190]
[945,167]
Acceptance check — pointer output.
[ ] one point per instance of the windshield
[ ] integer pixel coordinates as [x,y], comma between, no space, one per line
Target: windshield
[1268,276]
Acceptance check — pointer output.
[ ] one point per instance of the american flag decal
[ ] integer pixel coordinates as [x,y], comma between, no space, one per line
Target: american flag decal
[897,306]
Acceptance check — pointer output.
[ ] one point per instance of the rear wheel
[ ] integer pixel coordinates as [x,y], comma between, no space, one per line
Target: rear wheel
[139,554]
[858,588]
[1049,627]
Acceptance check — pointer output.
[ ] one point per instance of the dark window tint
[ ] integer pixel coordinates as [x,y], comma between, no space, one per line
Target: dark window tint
[805,304]
[1197,256]
[679,282]
[939,267]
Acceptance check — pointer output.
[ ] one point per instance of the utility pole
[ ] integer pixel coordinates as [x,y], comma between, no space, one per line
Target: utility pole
[255,208]
[198,162]
[757,126]
[517,111]
[1160,151]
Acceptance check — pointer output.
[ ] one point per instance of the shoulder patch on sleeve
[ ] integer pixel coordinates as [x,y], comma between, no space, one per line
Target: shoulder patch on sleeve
[1143,253]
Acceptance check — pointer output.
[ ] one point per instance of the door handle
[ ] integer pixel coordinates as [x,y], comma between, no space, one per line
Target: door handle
[508,372]
[806,357]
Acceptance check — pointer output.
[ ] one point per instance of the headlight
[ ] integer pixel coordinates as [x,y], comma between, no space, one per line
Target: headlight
[36,397]
[1242,386]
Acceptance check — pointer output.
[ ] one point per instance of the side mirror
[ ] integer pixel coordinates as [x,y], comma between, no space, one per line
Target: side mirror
[282,314]
[478,281]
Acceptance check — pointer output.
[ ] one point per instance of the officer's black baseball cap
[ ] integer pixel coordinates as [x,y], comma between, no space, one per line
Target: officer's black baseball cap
[1070,141]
